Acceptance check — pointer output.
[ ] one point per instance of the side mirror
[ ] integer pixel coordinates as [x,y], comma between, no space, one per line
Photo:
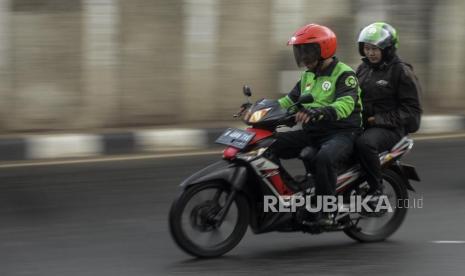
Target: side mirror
[247,91]
[306,99]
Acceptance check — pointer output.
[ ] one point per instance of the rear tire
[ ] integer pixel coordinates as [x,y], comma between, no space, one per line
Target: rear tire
[188,244]
[401,193]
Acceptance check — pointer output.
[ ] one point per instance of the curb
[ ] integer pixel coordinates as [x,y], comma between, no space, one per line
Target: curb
[441,123]
[50,146]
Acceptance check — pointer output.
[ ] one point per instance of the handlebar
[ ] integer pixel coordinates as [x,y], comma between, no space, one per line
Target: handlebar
[244,107]
[287,120]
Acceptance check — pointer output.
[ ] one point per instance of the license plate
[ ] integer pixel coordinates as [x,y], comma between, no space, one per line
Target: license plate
[234,137]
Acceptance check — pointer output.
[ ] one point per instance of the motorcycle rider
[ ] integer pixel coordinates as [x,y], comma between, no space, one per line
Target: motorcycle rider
[390,90]
[332,122]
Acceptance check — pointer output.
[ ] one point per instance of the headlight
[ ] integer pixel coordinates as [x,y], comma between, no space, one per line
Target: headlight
[251,154]
[258,115]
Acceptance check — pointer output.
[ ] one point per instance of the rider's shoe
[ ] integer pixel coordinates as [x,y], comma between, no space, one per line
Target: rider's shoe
[326,219]
[319,219]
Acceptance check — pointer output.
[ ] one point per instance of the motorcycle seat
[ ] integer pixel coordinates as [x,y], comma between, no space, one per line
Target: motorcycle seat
[308,153]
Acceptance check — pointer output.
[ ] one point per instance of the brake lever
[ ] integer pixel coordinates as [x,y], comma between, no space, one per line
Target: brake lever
[238,114]
[241,111]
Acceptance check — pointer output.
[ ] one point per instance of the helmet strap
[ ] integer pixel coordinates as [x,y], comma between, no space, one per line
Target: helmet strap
[388,53]
[319,66]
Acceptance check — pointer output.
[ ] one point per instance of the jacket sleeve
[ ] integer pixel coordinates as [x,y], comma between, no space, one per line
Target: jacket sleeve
[291,97]
[408,91]
[345,98]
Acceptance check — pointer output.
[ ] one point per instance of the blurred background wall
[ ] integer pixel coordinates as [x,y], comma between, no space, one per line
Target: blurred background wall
[80,64]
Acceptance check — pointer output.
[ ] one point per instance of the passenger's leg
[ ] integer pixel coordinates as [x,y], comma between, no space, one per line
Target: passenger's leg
[368,146]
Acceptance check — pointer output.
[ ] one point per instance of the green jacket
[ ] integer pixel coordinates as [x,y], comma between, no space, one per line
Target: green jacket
[335,90]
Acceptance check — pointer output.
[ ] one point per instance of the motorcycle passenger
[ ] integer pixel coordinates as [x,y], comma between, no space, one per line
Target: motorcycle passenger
[390,96]
[332,122]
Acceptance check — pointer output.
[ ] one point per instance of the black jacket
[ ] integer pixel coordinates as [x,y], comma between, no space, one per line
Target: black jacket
[390,93]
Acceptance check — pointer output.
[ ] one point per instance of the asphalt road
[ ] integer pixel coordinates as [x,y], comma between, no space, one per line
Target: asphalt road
[110,218]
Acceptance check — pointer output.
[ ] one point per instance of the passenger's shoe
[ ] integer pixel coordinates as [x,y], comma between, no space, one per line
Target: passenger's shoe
[375,191]
[375,195]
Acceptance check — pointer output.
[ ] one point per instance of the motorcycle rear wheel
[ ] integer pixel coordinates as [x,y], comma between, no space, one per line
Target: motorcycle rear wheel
[396,183]
[188,227]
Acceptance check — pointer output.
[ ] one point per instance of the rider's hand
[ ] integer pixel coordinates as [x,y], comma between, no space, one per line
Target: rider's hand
[309,115]
[302,116]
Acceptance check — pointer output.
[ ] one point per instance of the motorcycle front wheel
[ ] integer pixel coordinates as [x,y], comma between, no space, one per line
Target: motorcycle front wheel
[193,220]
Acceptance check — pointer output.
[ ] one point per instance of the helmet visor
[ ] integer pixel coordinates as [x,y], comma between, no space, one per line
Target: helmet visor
[305,54]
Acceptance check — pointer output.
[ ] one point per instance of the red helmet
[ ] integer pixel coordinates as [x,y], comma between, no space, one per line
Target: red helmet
[316,34]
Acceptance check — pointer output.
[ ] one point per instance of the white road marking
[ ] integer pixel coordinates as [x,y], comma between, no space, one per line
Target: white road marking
[451,242]
[109,159]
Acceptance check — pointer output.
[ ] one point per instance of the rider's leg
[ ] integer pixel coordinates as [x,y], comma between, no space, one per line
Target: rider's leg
[368,146]
[334,150]
[307,154]
[289,144]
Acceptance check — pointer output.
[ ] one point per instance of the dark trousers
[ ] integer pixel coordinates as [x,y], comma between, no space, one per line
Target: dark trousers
[333,149]
[368,146]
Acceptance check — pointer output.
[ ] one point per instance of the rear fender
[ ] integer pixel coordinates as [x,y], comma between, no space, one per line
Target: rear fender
[407,172]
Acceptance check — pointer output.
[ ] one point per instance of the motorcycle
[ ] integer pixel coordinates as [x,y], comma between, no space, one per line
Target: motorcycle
[217,204]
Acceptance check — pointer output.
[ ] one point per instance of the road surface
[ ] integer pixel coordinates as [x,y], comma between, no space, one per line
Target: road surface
[110,218]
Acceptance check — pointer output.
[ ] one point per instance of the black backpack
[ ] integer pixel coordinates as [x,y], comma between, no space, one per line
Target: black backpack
[412,123]
[413,120]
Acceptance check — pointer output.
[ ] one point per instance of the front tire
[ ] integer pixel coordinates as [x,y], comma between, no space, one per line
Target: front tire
[189,220]
[363,234]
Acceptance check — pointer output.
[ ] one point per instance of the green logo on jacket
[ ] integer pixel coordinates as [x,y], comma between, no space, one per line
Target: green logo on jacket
[351,82]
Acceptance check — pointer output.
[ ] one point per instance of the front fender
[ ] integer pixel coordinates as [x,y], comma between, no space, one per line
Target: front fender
[229,172]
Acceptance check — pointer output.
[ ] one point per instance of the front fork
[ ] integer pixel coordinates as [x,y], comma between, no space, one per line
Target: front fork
[219,217]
